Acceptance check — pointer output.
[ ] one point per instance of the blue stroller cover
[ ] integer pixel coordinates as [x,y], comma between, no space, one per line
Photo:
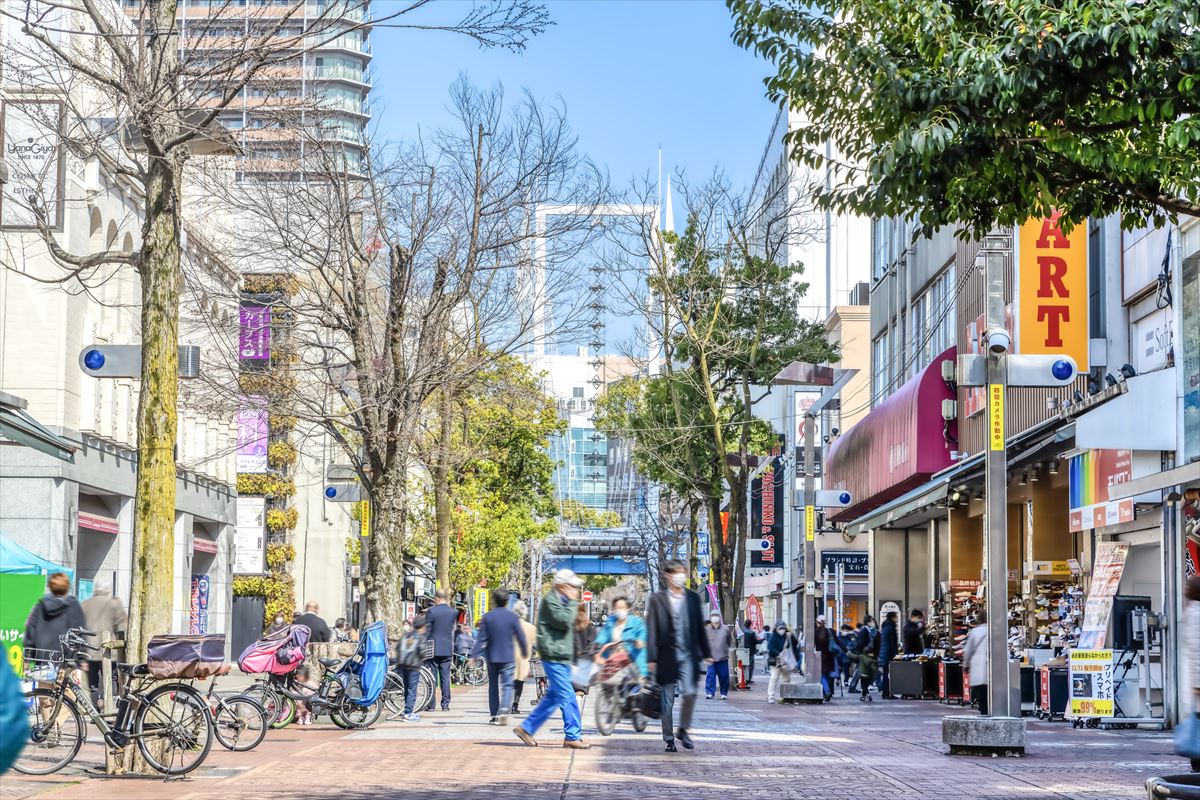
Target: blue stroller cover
[370,663]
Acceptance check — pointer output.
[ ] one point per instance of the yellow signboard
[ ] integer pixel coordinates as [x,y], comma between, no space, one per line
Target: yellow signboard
[481,604]
[810,522]
[1053,290]
[996,416]
[364,518]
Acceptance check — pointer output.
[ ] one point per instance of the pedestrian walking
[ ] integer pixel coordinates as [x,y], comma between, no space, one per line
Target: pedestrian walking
[441,621]
[623,626]
[867,644]
[320,631]
[847,658]
[676,647]
[102,613]
[500,637]
[750,641]
[521,671]
[913,634]
[782,656]
[52,616]
[585,651]
[410,656]
[975,661]
[825,643]
[556,645]
[889,641]
[1187,733]
[720,637]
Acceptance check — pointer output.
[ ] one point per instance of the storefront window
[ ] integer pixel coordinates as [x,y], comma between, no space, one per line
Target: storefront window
[1190,343]
[879,368]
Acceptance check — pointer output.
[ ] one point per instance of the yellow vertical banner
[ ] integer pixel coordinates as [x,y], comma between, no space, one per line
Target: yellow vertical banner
[1052,287]
[996,416]
[810,523]
[481,604]
[364,518]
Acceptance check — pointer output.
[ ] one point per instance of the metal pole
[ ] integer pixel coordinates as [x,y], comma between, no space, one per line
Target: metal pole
[810,554]
[996,487]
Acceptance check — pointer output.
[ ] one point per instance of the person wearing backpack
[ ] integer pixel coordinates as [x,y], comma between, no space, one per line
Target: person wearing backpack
[410,656]
[867,645]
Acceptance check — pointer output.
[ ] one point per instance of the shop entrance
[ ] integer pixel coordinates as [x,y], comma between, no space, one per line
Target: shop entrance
[97,553]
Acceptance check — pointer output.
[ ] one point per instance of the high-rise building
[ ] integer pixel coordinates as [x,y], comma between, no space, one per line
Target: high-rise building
[316,90]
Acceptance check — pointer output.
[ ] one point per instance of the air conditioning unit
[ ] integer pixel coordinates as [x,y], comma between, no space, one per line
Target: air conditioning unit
[949,409]
[860,295]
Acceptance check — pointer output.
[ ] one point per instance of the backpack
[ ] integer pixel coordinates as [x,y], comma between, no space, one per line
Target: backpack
[411,650]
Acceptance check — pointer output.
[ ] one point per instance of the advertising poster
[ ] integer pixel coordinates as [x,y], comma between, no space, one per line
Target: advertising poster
[754,613]
[33,152]
[1052,275]
[198,617]
[249,536]
[1091,683]
[254,335]
[480,606]
[766,513]
[1106,577]
[1093,476]
[252,435]
[18,594]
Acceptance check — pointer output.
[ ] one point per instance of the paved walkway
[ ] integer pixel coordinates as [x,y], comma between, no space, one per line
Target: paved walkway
[841,751]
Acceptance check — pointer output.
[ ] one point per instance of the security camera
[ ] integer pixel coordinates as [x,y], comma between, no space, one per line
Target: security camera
[998,342]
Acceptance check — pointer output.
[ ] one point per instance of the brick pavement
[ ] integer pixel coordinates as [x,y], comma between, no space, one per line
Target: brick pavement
[845,750]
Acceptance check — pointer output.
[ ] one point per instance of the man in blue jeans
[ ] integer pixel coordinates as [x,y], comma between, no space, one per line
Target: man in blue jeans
[556,644]
[500,634]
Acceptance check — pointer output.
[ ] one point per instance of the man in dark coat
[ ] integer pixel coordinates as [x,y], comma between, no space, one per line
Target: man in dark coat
[913,634]
[442,620]
[889,641]
[56,613]
[499,632]
[826,646]
[318,627]
[676,648]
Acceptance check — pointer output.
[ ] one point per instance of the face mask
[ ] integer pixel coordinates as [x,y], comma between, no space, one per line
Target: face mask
[621,613]
[677,579]
[715,621]
[279,620]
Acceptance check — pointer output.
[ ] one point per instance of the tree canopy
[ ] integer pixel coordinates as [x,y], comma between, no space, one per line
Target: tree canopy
[983,114]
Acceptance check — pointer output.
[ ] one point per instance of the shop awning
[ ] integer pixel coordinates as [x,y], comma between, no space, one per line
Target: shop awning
[18,426]
[895,448]
[924,495]
[1120,423]
[1188,473]
[16,560]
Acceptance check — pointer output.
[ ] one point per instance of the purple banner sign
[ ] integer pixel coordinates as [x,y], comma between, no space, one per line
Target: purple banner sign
[252,436]
[254,339]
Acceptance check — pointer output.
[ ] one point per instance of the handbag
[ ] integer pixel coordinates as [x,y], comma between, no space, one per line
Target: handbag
[582,673]
[1187,737]
[787,660]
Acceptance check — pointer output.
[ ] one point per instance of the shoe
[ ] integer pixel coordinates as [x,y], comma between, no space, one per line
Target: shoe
[724,697]
[576,744]
[708,697]
[493,721]
[411,718]
[502,720]
[671,748]
[525,736]
[685,740]
[515,710]
[771,702]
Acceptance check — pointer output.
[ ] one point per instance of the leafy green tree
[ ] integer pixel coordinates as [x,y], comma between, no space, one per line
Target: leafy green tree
[985,114]
[576,513]
[490,531]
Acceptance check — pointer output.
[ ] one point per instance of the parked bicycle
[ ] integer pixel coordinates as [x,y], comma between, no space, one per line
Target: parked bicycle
[468,671]
[392,696]
[170,722]
[240,722]
[349,690]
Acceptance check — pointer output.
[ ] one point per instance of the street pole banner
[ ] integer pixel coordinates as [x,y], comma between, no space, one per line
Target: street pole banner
[364,518]
[481,604]
[712,597]
[766,513]
[252,435]
[1091,683]
[254,335]
[198,617]
[754,613]
[1052,287]
[1106,576]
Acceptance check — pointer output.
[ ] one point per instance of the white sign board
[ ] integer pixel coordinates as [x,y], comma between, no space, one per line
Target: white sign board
[249,536]
[33,152]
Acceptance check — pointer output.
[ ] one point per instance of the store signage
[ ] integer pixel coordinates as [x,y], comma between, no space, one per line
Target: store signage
[252,435]
[1058,569]
[480,606]
[855,563]
[95,522]
[1052,287]
[254,336]
[20,593]
[1091,683]
[1093,475]
[33,153]
[1153,340]
[810,523]
[1106,577]
[766,513]
[249,539]
[200,545]
[364,519]
[198,618]
[754,613]
[996,416]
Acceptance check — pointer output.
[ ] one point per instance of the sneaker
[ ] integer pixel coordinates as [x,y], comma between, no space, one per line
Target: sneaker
[493,721]
[771,702]
[724,697]
[502,720]
[671,748]
[411,718]
[708,697]
[682,736]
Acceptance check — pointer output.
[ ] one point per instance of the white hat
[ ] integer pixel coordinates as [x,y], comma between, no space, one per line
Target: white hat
[567,577]
[820,617]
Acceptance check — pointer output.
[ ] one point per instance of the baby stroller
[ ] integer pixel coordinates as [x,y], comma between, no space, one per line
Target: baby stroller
[619,689]
[276,657]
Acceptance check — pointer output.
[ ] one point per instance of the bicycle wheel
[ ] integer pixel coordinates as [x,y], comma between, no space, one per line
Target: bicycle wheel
[286,711]
[351,715]
[174,729]
[266,696]
[607,712]
[476,674]
[392,696]
[240,723]
[56,732]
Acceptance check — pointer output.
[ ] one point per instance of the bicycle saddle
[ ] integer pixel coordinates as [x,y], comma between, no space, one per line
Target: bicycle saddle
[329,662]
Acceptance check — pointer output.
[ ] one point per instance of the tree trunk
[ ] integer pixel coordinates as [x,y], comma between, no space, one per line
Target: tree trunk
[694,545]
[441,495]
[385,565]
[154,501]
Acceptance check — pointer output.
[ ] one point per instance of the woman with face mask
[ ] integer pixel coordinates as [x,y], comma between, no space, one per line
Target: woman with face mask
[277,624]
[622,626]
[780,640]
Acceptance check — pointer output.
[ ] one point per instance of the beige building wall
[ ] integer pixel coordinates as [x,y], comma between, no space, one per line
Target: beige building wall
[849,328]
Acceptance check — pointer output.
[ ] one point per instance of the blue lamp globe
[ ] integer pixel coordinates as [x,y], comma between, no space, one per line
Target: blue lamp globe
[844,498]
[1062,369]
[93,359]
[330,492]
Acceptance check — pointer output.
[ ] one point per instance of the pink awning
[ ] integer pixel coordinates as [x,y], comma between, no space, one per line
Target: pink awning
[203,545]
[896,447]
[98,523]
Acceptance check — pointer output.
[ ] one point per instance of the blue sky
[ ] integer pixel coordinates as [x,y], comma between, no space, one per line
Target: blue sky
[634,75]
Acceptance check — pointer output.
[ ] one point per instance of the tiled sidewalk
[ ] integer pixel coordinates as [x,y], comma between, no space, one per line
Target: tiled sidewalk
[745,749]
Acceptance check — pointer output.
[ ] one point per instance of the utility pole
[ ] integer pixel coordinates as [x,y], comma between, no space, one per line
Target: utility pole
[808,524]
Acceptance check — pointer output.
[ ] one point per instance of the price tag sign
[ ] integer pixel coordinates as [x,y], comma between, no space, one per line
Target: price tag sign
[1091,683]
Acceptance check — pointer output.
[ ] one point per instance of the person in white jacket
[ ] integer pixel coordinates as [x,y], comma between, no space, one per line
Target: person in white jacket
[975,658]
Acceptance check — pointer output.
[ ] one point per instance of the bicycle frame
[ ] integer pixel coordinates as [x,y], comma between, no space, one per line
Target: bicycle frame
[116,735]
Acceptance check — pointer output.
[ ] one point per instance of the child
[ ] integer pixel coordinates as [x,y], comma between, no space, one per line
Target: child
[410,656]
[302,686]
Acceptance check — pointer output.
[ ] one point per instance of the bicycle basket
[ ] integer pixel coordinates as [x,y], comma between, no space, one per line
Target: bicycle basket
[41,666]
[427,649]
[177,656]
